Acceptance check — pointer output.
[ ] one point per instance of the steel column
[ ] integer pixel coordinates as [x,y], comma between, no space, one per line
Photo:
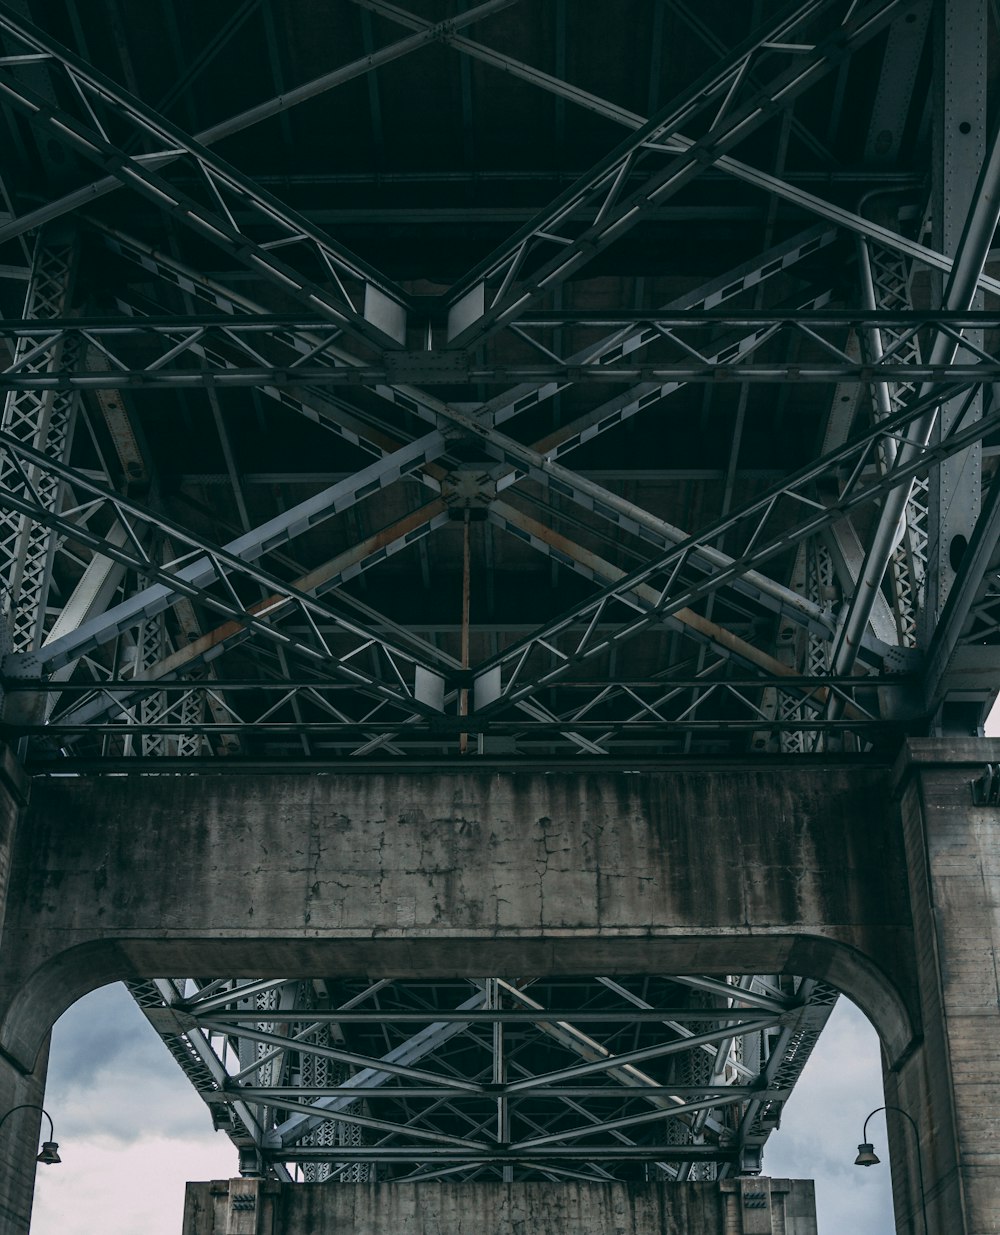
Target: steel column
[43,420]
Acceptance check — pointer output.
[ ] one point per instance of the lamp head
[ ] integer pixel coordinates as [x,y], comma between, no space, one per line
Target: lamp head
[866,1156]
[49,1154]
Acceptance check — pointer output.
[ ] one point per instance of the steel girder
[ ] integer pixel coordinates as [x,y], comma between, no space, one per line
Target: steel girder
[500,1078]
[716,109]
[46,49]
[592,496]
[977,233]
[762,533]
[44,420]
[197,351]
[357,297]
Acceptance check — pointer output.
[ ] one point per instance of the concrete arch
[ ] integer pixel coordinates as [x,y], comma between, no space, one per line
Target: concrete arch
[759,869]
[34,1006]
[883,882]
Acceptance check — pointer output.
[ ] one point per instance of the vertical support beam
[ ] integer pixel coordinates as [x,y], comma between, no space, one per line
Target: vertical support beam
[950,1083]
[885,284]
[958,154]
[44,419]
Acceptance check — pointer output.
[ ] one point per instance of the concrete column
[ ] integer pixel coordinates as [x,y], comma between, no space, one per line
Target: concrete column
[950,1082]
[19,1142]
[19,1134]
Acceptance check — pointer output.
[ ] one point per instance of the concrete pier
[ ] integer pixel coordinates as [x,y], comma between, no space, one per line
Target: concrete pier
[881,880]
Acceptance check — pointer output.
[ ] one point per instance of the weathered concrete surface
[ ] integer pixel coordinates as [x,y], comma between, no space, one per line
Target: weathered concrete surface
[19,1141]
[951,1084]
[758,1206]
[18,1085]
[886,885]
[771,869]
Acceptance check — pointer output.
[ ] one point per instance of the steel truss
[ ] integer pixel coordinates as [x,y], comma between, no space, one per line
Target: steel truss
[591,1077]
[182,352]
[44,420]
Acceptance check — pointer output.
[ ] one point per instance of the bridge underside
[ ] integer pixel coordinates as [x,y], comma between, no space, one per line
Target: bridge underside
[512,384]
[514,379]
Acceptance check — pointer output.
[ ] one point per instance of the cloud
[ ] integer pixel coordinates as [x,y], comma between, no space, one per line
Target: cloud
[131,1130]
[122,1189]
[104,1051]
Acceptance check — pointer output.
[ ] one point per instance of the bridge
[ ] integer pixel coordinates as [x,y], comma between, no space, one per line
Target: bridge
[499,544]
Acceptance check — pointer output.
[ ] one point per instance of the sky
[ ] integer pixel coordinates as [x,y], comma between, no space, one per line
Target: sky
[132,1131]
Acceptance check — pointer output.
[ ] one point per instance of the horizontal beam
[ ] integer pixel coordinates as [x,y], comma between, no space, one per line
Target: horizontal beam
[577,1153]
[738,1017]
[195,351]
[432,732]
[773,374]
[538,756]
[264,323]
[403,1092]
[139,686]
[430,32]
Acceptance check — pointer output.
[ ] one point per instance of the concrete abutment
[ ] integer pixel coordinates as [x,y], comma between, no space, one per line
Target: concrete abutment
[881,882]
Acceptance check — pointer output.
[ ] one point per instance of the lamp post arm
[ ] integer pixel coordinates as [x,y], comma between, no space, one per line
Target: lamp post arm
[30,1106]
[920,1157]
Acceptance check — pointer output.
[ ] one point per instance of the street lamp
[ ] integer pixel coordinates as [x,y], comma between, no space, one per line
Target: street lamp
[49,1153]
[867,1157]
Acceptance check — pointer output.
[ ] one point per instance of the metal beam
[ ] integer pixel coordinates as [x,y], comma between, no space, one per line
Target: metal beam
[195,352]
[421,1044]
[356,296]
[978,565]
[905,43]
[703,300]
[706,298]
[591,566]
[960,143]
[217,565]
[235,556]
[211,644]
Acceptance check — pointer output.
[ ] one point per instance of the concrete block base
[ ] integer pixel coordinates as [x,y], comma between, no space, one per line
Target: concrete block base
[748,1206]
